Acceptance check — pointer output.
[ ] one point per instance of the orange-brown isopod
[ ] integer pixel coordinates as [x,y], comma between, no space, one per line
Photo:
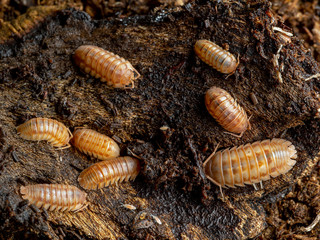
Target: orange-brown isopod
[215,56]
[95,144]
[57,197]
[107,66]
[222,106]
[114,170]
[251,163]
[54,132]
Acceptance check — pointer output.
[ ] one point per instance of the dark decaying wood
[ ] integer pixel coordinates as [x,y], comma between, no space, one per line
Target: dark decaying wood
[163,121]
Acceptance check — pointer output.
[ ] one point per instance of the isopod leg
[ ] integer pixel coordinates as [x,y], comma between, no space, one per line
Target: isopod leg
[221,193]
[137,73]
[67,146]
[133,154]
[83,207]
[71,136]
[211,155]
[249,124]
[132,85]
[238,61]
[261,185]
[255,187]
[235,135]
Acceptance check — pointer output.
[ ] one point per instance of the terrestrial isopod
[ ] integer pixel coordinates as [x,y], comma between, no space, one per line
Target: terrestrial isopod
[114,170]
[222,106]
[95,144]
[54,132]
[251,163]
[107,66]
[55,197]
[215,56]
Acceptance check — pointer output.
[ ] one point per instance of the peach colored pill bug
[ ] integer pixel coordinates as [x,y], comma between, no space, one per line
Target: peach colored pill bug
[107,66]
[114,170]
[215,56]
[54,132]
[227,112]
[95,144]
[57,197]
[251,163]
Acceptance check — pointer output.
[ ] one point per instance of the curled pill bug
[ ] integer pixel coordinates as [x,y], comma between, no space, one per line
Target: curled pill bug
[115,170]
[251,163]
[227,112]
[215,56]
[57,197]
[109,67]
[37,129]
[95,144]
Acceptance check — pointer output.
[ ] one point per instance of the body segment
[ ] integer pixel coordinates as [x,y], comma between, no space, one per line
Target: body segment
[114,170]
[95,144]
[227,112]
[107,66]
[57,197]
[54,132]
[251,163]
[215,56]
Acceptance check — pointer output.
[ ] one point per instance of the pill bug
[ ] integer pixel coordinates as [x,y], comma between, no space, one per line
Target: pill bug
[114,170]
[227,112]
[107,66]
[251,163]
[95,144]
[54,132]
[57,197]
[215,56]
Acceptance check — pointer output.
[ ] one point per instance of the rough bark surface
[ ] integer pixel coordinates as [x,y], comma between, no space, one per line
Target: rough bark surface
[39,79]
